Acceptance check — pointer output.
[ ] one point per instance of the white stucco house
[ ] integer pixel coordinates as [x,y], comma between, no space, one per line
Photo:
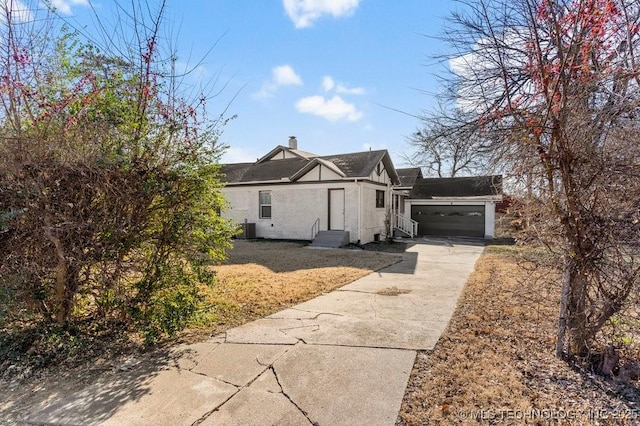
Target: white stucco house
[359,197]
[292,194]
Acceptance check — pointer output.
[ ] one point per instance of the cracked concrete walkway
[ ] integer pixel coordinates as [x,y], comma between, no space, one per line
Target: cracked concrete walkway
[343,358]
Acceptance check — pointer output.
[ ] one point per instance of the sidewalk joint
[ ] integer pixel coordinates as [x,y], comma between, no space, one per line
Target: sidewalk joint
[304,413]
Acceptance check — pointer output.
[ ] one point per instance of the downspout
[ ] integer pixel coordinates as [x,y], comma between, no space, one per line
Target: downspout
[389,208]
[359,210]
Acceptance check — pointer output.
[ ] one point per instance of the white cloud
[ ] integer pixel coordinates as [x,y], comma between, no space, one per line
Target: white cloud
[333,109]
[18,9]
[64,6]
[304,12]
[350,91]
[328,84]
[240,155]
[481,72]
[282,75]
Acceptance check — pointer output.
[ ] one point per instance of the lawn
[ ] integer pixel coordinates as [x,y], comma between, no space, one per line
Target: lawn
[263,277]
[495,363]
[257,279]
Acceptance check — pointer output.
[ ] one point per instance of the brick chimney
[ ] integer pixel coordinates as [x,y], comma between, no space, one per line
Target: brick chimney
[293,142]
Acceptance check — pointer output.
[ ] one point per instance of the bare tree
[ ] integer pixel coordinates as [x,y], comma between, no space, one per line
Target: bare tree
[450,144]
[555,86]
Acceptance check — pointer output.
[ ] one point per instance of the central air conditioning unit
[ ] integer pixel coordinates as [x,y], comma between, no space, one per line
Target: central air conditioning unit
[248,231]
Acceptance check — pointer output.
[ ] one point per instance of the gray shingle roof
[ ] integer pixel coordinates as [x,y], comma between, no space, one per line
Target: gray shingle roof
[234,172]
[265,171]
[357,164]
[456,187]
[408,176]
[352,165]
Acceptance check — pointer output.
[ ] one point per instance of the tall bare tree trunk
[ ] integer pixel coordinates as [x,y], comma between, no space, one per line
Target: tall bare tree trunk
[61,305]
[581,334]
[564,302]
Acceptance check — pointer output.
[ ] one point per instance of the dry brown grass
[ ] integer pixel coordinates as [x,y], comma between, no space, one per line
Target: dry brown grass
[496,359]
[263,277]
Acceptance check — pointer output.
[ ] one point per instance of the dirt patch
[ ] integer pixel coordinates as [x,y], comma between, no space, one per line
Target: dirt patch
[393,291]
[495,363]
[387,246]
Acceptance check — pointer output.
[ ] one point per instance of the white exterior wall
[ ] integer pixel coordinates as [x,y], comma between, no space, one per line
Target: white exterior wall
[294,208]
[372,217]
[490,219]
[382,178]
[283,154]
[320,173]
[312,175]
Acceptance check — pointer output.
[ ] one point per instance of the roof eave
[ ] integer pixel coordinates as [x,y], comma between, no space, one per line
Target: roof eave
[278,148]
[388,165]
[259,182]
[464,198]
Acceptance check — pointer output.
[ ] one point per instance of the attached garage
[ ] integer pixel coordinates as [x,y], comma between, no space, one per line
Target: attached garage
[450,220]
[455,207]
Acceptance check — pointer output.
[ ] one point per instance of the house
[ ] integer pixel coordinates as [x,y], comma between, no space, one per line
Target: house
[352,198]
[293,194]
[458,206]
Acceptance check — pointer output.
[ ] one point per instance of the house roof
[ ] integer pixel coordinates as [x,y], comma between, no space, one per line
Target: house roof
[408,176]
[234,172]
[362,164]
[296,152]
[476,186]
[352,165]
[262,171]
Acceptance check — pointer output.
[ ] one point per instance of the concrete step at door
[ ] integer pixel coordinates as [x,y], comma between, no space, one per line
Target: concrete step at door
[333,239]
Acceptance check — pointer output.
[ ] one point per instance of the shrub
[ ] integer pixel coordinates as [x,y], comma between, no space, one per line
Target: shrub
[109,188]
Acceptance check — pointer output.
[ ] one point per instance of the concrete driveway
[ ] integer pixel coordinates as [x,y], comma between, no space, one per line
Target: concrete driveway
[343,358]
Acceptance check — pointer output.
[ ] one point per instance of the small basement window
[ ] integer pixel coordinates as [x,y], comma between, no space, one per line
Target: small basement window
[379,199]
[265,204]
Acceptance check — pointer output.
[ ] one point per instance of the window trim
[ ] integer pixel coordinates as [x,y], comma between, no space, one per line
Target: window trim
[380,201]
[261,205]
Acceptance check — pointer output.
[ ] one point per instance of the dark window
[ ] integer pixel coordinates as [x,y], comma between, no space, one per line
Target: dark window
[379,199]
[265,204]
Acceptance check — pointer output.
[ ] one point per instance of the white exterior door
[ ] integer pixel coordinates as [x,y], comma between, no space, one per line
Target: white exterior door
[336,209]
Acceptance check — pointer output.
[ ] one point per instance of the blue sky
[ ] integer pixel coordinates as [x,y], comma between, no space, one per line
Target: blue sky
[327,71]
